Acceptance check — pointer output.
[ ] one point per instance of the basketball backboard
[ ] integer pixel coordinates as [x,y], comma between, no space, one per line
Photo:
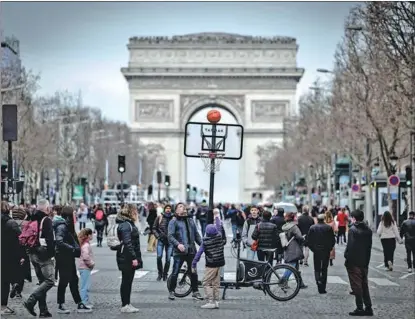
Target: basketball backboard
[226,139]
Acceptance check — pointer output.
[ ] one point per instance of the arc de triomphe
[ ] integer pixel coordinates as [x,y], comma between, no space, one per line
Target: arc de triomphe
[170,79]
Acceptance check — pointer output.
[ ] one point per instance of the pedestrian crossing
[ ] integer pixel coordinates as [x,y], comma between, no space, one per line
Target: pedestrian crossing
[145,275]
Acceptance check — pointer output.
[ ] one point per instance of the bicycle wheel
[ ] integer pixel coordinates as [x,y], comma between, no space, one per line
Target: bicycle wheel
[183,288]
[274,284]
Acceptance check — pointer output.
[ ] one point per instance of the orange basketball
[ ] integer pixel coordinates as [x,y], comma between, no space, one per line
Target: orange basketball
[214,116]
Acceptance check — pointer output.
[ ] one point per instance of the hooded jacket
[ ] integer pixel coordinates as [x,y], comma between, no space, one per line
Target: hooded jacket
[293,252]
[212,246]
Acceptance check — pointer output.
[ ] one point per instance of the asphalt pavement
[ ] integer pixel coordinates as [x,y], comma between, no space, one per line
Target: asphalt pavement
[392,292]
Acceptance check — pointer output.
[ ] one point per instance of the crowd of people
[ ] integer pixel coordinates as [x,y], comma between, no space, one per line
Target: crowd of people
[44,238]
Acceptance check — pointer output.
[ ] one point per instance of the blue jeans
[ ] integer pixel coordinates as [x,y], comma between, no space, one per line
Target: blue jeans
[287,272]
[168,249]
[235,229]
[177,264]
[250,254]
[202,226]
[85,275]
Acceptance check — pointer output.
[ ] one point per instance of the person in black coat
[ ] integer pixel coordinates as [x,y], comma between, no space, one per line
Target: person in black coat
[408,232]
[128,253]
[357,255]
[67,249]
[12,256]
[101,221]
[321,240]
[305,221]
[267,235]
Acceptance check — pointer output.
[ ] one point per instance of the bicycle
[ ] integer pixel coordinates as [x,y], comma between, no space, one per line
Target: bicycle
[249,273]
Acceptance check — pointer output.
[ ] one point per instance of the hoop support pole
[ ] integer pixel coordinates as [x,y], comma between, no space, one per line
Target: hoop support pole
[212,176]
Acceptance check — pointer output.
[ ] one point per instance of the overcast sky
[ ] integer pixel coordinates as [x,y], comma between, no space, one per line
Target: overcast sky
[82,45]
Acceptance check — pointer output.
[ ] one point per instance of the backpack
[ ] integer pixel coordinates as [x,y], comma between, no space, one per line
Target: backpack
[112,239]
[99,215]
[31,233]
[284,241]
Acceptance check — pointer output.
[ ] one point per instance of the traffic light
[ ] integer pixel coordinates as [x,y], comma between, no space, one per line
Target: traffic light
[121,164]
[159,177]
[167,180]
[150,190]
[188,188]
[195,189]
[408,175]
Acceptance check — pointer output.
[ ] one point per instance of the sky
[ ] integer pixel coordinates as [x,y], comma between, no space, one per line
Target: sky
[82,45]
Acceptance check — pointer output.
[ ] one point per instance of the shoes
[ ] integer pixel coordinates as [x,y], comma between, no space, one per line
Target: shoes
[390,266]
[306,264]
[216,304]
[129,309]
[30,308]
[368,312]
[13,292]
[409,270]
[165,277]
[63,310]
[45,314]
[7,311]
[159,277]
[83,308]
[171,295]
[197,296]
[209,305]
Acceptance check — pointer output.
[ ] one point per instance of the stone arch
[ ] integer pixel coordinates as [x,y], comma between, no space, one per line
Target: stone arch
[199,104]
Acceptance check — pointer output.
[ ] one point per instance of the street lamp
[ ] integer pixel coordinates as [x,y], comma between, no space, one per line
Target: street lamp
[393,160]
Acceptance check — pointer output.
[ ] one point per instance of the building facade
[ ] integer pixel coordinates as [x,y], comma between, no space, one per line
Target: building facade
[170,79]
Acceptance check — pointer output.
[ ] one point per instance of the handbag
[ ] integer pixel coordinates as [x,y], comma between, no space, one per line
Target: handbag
[254,245]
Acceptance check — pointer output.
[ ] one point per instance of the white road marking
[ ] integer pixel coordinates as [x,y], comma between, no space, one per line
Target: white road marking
[407,275]
[382,282]
[336,280]
[380,266]
[381,272]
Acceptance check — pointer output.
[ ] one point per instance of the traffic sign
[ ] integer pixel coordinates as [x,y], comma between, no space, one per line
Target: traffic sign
[394,180]
[355,188]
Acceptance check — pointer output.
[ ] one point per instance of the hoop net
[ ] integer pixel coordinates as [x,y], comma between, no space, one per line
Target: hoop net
[209,166]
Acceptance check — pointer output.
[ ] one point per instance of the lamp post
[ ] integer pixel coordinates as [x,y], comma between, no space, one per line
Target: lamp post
[393,160]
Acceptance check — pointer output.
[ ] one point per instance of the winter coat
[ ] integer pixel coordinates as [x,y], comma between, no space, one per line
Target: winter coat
[11,251]
[267,235]
[321,238]
[408,230]
[183,230]
[293,252]
[67,246]
[160,227]
[359,246]
[129,249]
[86,260]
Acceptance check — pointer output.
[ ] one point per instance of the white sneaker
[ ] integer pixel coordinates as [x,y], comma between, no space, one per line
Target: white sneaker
[390,266]
[409,270]
[132,308]
[216,304]
[126,309]
[209,305]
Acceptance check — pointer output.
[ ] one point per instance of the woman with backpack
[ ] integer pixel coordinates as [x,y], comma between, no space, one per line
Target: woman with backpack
[100,222]
[292,241]
[128,253]
[67,249]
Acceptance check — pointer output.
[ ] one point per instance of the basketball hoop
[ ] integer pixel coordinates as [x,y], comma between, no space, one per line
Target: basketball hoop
[209,166]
